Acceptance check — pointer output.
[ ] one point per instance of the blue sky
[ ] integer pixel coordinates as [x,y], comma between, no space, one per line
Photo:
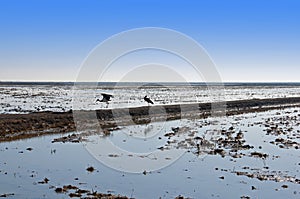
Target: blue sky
[248,40]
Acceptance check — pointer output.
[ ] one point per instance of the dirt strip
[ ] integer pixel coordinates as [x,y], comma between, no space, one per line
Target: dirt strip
[21,126]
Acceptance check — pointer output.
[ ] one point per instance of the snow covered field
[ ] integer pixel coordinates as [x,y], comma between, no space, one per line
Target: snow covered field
[63,97]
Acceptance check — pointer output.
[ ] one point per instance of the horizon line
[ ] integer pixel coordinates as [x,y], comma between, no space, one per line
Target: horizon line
[70,81]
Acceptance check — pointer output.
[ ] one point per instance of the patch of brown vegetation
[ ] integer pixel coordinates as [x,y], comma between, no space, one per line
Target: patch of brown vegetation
[74,191]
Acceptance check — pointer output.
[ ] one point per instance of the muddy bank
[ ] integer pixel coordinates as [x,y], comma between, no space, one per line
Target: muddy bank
[20,126]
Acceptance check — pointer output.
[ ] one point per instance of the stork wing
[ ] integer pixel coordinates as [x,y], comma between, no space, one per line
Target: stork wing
[105,95]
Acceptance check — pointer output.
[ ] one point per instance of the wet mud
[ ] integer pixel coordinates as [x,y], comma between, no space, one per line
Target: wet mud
[21,126]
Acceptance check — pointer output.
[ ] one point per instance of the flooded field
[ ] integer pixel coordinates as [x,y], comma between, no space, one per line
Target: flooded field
[254,155]
[20,98]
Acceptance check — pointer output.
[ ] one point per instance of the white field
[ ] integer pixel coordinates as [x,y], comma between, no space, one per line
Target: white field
[35,98]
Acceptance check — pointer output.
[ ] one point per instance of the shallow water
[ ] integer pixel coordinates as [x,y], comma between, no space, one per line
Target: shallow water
[192,175]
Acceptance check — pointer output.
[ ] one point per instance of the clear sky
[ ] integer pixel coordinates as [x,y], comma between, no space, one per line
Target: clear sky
[251,40]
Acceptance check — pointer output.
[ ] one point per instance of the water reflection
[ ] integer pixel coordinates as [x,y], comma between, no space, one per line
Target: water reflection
[201,172]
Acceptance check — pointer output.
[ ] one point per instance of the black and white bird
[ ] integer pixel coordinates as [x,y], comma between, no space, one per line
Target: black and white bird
[148,100]
[105,98]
